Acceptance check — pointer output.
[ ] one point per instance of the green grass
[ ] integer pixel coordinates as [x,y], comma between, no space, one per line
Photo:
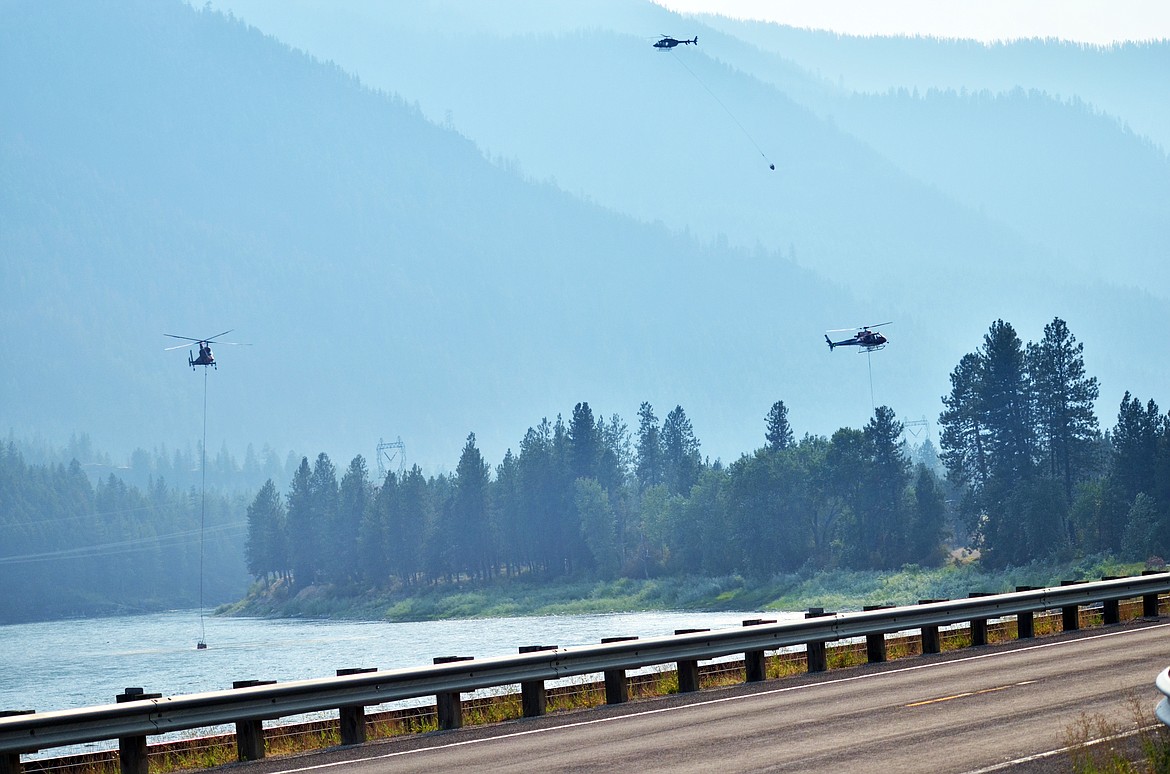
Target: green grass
[833,590]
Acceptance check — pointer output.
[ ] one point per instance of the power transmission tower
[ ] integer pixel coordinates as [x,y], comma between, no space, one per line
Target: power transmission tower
[391,456]
[916,427]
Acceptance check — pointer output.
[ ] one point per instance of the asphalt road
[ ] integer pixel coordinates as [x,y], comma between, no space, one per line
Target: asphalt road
[997,708]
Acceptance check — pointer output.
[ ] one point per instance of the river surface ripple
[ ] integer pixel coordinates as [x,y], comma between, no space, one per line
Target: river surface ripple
[86,662]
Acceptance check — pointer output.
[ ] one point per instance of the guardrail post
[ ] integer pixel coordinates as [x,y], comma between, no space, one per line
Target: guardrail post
[755,663]
[931,641]
[817,662]
[449,705]
[875,644]
[1025,622]
[352,719]
[1110,608]
[10,762]
[250,733]
[132,749]
[688,669]
[1070,615]
[533,696]
[617,688]
[979,625]
[1150,601]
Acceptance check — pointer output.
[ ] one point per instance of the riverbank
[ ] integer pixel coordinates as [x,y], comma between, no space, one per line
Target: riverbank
[831,590]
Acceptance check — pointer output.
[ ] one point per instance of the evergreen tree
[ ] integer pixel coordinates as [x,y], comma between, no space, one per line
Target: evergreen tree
[1135,448]
[612,474]
[539,498]
[468,527]
[989,438]
[353,500]
[304,527]
[439,554]
[614,459]
[680,453]
[928,527]
[408,523]
[264,548]
[1064,398]
[564,521]
[616,437]
[585,444]
[373,560]
[506,508]
[777,432]
[323,496]
[649,466]
[964,437]
[886,482]
[1005,397]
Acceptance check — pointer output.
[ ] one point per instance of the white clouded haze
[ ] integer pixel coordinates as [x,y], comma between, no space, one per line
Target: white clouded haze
[1087,21]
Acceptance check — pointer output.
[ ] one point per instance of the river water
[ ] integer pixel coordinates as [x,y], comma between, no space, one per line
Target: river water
[86,662]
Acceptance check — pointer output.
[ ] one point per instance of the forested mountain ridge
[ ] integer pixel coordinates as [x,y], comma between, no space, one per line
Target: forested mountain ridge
[173,170]
[1031,134]
[391,279]
[1123,80]
[985,196]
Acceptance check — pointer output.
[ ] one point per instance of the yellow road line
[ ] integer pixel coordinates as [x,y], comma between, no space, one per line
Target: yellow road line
[968,693]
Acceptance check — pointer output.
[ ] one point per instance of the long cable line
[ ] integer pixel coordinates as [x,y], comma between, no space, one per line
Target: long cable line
[725,109]
[202,515]
[146,509]
[869,360]
[127,546]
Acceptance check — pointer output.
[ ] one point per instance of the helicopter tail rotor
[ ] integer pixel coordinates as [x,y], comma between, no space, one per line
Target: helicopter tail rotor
[829,342]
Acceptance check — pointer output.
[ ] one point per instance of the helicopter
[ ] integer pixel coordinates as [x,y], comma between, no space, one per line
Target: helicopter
[865,338]
[668,42]
[206,358]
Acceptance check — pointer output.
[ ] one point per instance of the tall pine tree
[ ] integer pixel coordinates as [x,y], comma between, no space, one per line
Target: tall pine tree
[1064,398]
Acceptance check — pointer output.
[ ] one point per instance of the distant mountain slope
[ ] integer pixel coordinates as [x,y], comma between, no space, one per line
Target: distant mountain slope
[168,170]
[1054,168]
[172,170]
[678,136]
[958,207]
[1126,81]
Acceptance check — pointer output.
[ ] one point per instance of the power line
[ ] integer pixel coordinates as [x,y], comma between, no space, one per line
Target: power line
[127,546]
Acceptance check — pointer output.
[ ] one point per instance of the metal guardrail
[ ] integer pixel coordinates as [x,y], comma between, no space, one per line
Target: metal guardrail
[149,716]
[1163,708]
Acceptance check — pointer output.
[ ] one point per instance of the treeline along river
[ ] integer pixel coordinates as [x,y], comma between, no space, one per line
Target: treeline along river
[86,662]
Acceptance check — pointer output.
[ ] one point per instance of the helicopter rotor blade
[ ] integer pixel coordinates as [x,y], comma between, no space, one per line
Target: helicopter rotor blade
[184,338]
[177,346]
[212,339]
[859,327]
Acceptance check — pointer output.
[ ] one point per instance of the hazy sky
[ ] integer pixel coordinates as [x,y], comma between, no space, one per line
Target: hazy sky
[1088,21]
